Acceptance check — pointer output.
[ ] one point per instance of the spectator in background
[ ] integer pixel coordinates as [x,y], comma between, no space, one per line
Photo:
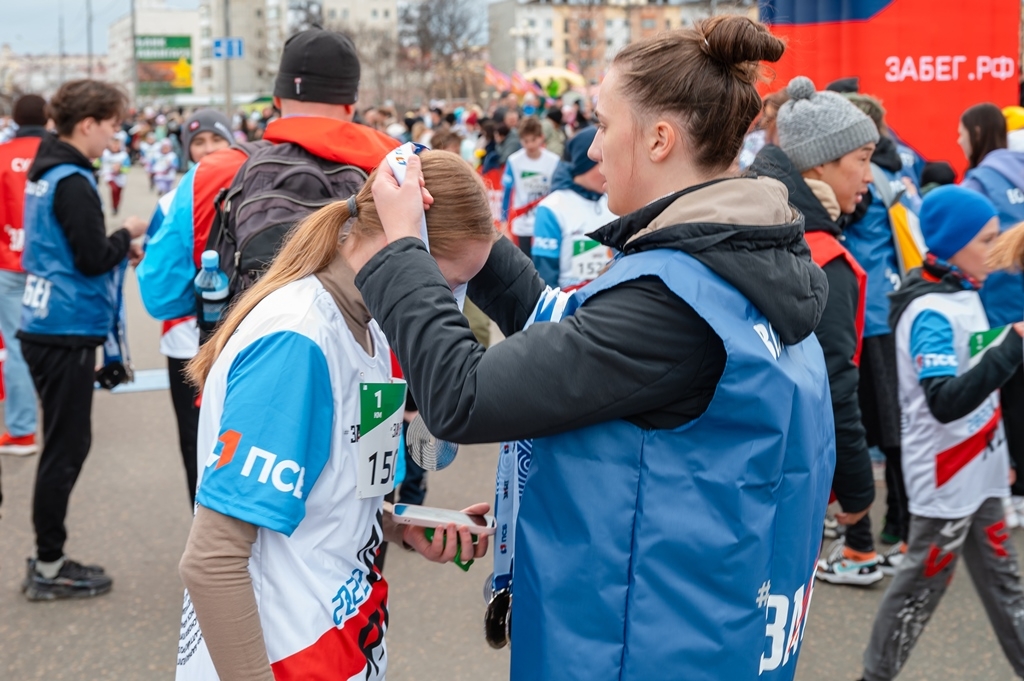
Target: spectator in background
[114,165]
[15,158]
[936,174]
[165,168]
[1014,127]
[527,180]
[554,131]
[510,143]
[446,140]
[563,252]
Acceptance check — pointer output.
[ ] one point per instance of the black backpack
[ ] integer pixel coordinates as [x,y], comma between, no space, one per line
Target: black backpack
[277,186]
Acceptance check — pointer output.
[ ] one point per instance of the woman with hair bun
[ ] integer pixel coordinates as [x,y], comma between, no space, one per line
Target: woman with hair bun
[683,435]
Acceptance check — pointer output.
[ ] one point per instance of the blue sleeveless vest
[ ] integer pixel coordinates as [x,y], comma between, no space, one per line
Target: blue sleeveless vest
[59,299]
[1003,293]
[686,553]
[869,240]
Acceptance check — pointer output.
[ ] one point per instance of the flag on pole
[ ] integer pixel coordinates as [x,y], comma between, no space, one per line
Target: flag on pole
[496,79]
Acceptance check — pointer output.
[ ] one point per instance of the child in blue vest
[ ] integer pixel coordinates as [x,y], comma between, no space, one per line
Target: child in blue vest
[955,461]
[68,307]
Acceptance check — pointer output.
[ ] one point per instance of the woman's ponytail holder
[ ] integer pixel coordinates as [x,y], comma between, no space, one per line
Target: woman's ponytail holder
[353,209]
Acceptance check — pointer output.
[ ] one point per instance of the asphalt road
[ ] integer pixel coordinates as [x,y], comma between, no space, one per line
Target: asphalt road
[130,513]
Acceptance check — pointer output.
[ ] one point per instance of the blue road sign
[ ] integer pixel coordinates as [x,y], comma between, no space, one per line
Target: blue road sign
[227,48]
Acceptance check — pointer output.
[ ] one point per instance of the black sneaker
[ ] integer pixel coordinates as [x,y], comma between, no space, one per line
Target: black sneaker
[73,581]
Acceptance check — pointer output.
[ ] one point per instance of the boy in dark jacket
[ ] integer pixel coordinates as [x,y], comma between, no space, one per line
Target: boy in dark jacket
[825,162]
[68,308]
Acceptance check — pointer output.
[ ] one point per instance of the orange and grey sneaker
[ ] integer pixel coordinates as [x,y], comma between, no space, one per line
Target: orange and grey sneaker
[846,566]
[24,445]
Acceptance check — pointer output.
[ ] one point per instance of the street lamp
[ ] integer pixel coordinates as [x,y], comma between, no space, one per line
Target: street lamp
[526,33]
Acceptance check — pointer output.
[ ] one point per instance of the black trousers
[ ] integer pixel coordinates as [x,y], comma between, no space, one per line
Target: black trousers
[183,396]
[1012,399]
[64,378]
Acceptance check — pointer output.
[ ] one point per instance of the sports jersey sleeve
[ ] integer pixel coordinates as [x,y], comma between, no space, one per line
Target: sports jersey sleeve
[931,346]
[275,433]
[165,275]
[547,244]
[507,181]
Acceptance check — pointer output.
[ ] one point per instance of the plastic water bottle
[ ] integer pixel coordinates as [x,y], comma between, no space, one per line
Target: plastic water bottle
[211,286]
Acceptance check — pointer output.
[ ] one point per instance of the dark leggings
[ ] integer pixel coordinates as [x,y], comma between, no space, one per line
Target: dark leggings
[183,397]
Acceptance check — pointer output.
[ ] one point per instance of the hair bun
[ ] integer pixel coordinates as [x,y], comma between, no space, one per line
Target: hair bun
[801,87]
[734,39]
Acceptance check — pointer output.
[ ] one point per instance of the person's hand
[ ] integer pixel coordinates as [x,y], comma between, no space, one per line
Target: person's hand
[448,538]
[401,207]
[1013,477]
[851,518]
[1019,328]
[135,254]
[136,226]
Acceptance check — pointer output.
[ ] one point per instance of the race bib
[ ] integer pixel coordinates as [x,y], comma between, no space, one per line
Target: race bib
[589,259]
[381,407]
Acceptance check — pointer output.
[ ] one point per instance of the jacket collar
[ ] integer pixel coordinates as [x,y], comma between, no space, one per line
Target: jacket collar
[334,140]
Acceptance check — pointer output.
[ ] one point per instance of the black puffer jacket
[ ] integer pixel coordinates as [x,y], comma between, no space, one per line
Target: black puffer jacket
[634,352]
[853,483]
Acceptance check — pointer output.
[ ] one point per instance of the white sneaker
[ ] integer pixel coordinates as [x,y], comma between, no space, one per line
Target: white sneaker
[1018,506]
[889,562]
[1012,517]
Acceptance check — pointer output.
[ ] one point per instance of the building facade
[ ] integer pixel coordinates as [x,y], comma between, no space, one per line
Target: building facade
[42,74]
[587,34]
[152,18]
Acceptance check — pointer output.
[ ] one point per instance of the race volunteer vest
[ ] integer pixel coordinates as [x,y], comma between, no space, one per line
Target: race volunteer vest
[685,553]
[15,159]
[59,299]
[949,468]
[824,249]
[580,259]
[1003,293]
[869,241]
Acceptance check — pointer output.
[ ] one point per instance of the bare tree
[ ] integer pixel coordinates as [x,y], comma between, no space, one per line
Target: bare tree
[304,14]
[378,55]
[439,37]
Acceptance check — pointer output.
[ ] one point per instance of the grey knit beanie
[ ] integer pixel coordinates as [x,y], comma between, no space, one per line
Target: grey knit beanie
[818,127]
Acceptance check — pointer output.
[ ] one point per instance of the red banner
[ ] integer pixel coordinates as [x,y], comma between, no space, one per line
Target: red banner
[927,60]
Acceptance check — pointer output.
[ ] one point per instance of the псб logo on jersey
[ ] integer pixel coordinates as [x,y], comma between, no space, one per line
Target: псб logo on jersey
[931,360]
[272,470]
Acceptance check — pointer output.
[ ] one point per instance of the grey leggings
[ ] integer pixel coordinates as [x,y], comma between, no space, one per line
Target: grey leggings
[934,548]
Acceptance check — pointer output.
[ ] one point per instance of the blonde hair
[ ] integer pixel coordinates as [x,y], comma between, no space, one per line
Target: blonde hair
[1008,251]
[460,213]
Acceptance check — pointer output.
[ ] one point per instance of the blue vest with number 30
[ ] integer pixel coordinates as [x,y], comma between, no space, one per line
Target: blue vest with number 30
[1003,292]
[685,553]
[59,299]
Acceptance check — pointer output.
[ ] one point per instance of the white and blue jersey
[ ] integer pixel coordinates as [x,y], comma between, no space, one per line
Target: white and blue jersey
[951,468]
[278,448]
[561,224]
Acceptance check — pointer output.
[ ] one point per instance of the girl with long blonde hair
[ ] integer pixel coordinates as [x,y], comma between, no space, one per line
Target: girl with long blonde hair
[297,447]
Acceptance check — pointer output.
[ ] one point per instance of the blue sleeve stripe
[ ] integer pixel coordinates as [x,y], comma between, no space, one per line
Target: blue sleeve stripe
[279,413]
[932,346]
[165,275]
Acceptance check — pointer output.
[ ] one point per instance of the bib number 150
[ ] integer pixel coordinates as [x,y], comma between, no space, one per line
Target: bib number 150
[380,424]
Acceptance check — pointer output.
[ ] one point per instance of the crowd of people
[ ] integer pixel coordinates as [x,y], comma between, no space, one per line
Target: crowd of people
[710,301]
